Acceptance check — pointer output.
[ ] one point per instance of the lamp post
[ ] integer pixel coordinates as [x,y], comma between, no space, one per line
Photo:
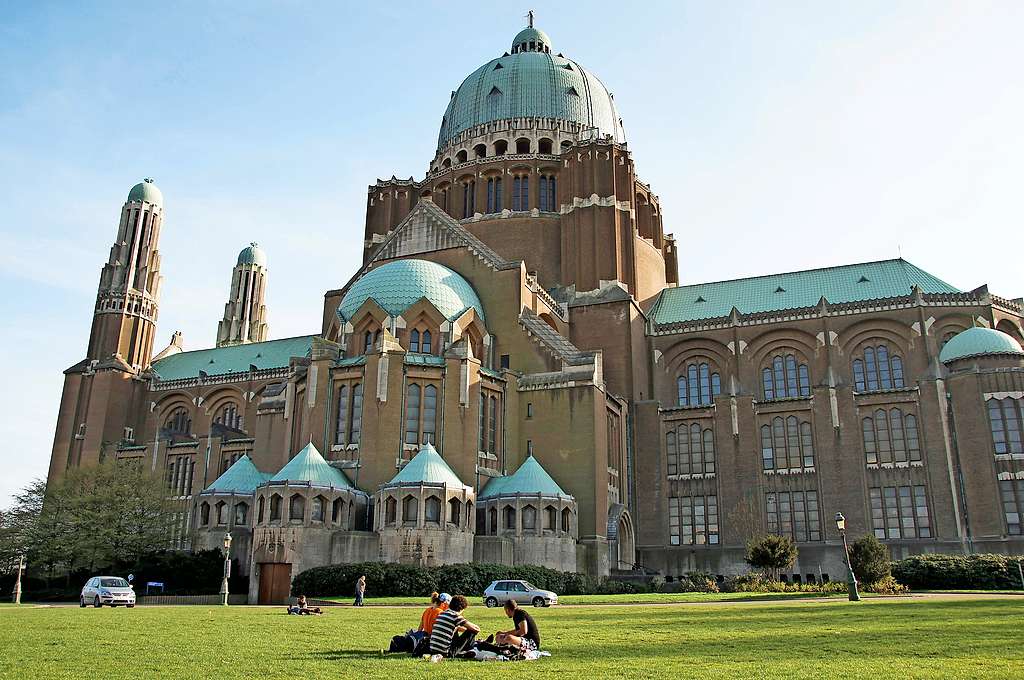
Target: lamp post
[227,569]
[851,580]
[17,579]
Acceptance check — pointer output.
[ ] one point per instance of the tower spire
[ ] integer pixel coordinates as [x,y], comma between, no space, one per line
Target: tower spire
[245,314]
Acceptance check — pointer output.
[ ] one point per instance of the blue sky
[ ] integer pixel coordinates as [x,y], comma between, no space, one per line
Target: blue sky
[779,136]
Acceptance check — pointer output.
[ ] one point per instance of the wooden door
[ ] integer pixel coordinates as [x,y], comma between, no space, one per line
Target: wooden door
[275,583]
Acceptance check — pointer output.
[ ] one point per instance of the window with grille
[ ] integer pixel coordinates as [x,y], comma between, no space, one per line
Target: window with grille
[494,197]
[693,520]
[785,378]
[1004,417]
[691,450]
[698,385]
[787,444]
[878,369]
[891,437]
[794,514]
[900,512]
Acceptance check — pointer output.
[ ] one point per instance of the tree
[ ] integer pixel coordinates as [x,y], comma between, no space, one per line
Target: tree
[772,554]
[19,523]
[870,560]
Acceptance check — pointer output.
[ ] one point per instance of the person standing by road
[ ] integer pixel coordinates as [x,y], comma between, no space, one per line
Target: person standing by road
[360,591]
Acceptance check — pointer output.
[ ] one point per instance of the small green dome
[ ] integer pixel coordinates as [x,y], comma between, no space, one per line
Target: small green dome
[395,286]
[146,191]
[252,254]
[531,34]
[975,342]
[531,83]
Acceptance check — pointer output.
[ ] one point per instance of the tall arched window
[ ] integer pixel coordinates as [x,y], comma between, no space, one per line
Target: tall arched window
[469,198]
[229,416]
[259,513]
[529,518]
[492,425]
[179,422]
[356,421]
[414,341]
[412,414]
[410,509]
[420,414]
[429,415]
[275,508]
[432,510]
[521,193]
[547,193]
[787,444]
[349,420]
[425,347]
[691,450]
[494,197]
[891,437]
[1004,418]
[341,431]
[317,509]
[297,508]
[785,378]
[509,514]
[390,510]
[697,385]
[367,342]
[877,369]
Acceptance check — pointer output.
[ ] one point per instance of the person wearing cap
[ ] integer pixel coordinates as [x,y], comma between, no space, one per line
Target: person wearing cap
[438,603]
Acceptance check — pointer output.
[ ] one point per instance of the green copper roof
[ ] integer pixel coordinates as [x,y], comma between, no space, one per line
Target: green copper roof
[426,467]
[252,254]
[530,479]
[977,341]
[530,34]
[309,466]
[146,191]
[241,478]
[396,285]
[530,85]
[413,359]
[794,290]
[233,359]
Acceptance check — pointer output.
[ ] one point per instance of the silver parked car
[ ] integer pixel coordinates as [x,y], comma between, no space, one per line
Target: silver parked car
[109,590]
[520,591]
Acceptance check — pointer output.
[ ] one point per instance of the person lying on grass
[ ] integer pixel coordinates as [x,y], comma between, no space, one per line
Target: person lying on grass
[445,638]
[525,635]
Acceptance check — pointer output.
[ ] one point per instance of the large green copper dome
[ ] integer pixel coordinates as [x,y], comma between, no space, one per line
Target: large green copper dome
[531,83]
[146,191]
[976,342]
[395,286]
[252,254]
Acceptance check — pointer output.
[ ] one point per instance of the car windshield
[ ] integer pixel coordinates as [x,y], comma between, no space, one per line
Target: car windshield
[113,583]
[530,586]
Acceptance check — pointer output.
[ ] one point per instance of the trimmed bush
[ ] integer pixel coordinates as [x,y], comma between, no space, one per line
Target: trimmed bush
[772,553]
[870,560]
[757,582]
[886,586]
[958,572]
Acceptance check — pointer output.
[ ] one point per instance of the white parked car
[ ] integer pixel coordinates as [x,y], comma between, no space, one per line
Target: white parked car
[521,591]
[109,590]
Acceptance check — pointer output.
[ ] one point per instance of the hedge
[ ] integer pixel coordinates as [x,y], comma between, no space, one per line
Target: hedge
[959,572]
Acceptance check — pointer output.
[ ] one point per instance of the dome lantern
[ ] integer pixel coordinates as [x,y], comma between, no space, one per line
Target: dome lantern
[977,342]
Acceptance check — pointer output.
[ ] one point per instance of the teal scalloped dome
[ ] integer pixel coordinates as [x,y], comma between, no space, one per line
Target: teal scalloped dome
[538,37]
[252,254]
[395,286]
[975,342]
[146,191]
[530,84]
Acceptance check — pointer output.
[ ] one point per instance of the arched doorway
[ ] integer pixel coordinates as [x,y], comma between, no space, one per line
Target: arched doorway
[621,539]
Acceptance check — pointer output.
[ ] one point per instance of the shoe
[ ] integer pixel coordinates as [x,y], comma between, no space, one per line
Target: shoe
[490,639]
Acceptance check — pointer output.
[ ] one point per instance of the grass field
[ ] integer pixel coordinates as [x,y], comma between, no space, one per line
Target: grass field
[905,638]
[623,598]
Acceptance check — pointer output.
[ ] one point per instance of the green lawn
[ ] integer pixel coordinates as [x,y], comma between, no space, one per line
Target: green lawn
[881,638]
[632,598]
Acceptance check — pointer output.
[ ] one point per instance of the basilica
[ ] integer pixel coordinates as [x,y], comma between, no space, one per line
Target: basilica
[516,374]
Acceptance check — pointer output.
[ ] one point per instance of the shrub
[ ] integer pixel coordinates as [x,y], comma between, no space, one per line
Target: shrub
[870,560]
[886,586]
[771,553]
[981,572]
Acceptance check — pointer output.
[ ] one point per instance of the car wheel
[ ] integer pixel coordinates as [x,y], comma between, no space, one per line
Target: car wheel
[491,602]
[538,602]
[96,602]
[81,602]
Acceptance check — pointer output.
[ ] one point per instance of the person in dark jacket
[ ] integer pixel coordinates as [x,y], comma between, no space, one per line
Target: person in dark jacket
[525,635]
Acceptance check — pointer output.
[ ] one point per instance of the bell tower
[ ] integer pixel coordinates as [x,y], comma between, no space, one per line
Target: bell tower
[245,314]
[103,402]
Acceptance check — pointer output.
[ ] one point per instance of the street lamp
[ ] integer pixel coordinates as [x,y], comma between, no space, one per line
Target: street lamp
[851,580]
[17,579]
[227,569]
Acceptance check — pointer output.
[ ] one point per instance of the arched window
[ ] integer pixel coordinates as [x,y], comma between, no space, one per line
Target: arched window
[494,198]
[461,157]
[420,414]
[566,520]
[877,369]
[443,193]
[229,416]
[469,198]
[317,509]
[204,514]
[454,511]
[550,518]
[410,509]
[547,193]
[222,513]
[432,510]
[697,385]
[890,437]
[414,341]
[338,515]
[341,431]
[480,151]
[275,508]
[356,421]
[529,518]
[787,444]
[425,347]
[501,147]
[390,510]
[179,422]
[946,337]
[492,520]
[521,193]
[429,425]
[544,145]
[785,378]
[297,508]
[522,145]
[691,450]
[241,513]
[492,426]
[1004,417]
[412,414]
[259,514]
[367,342]
[349,415]
[509,514]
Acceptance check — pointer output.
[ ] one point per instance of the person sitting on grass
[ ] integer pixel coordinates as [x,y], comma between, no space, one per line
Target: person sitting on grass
[445,638]
[525,636]
[430,614]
